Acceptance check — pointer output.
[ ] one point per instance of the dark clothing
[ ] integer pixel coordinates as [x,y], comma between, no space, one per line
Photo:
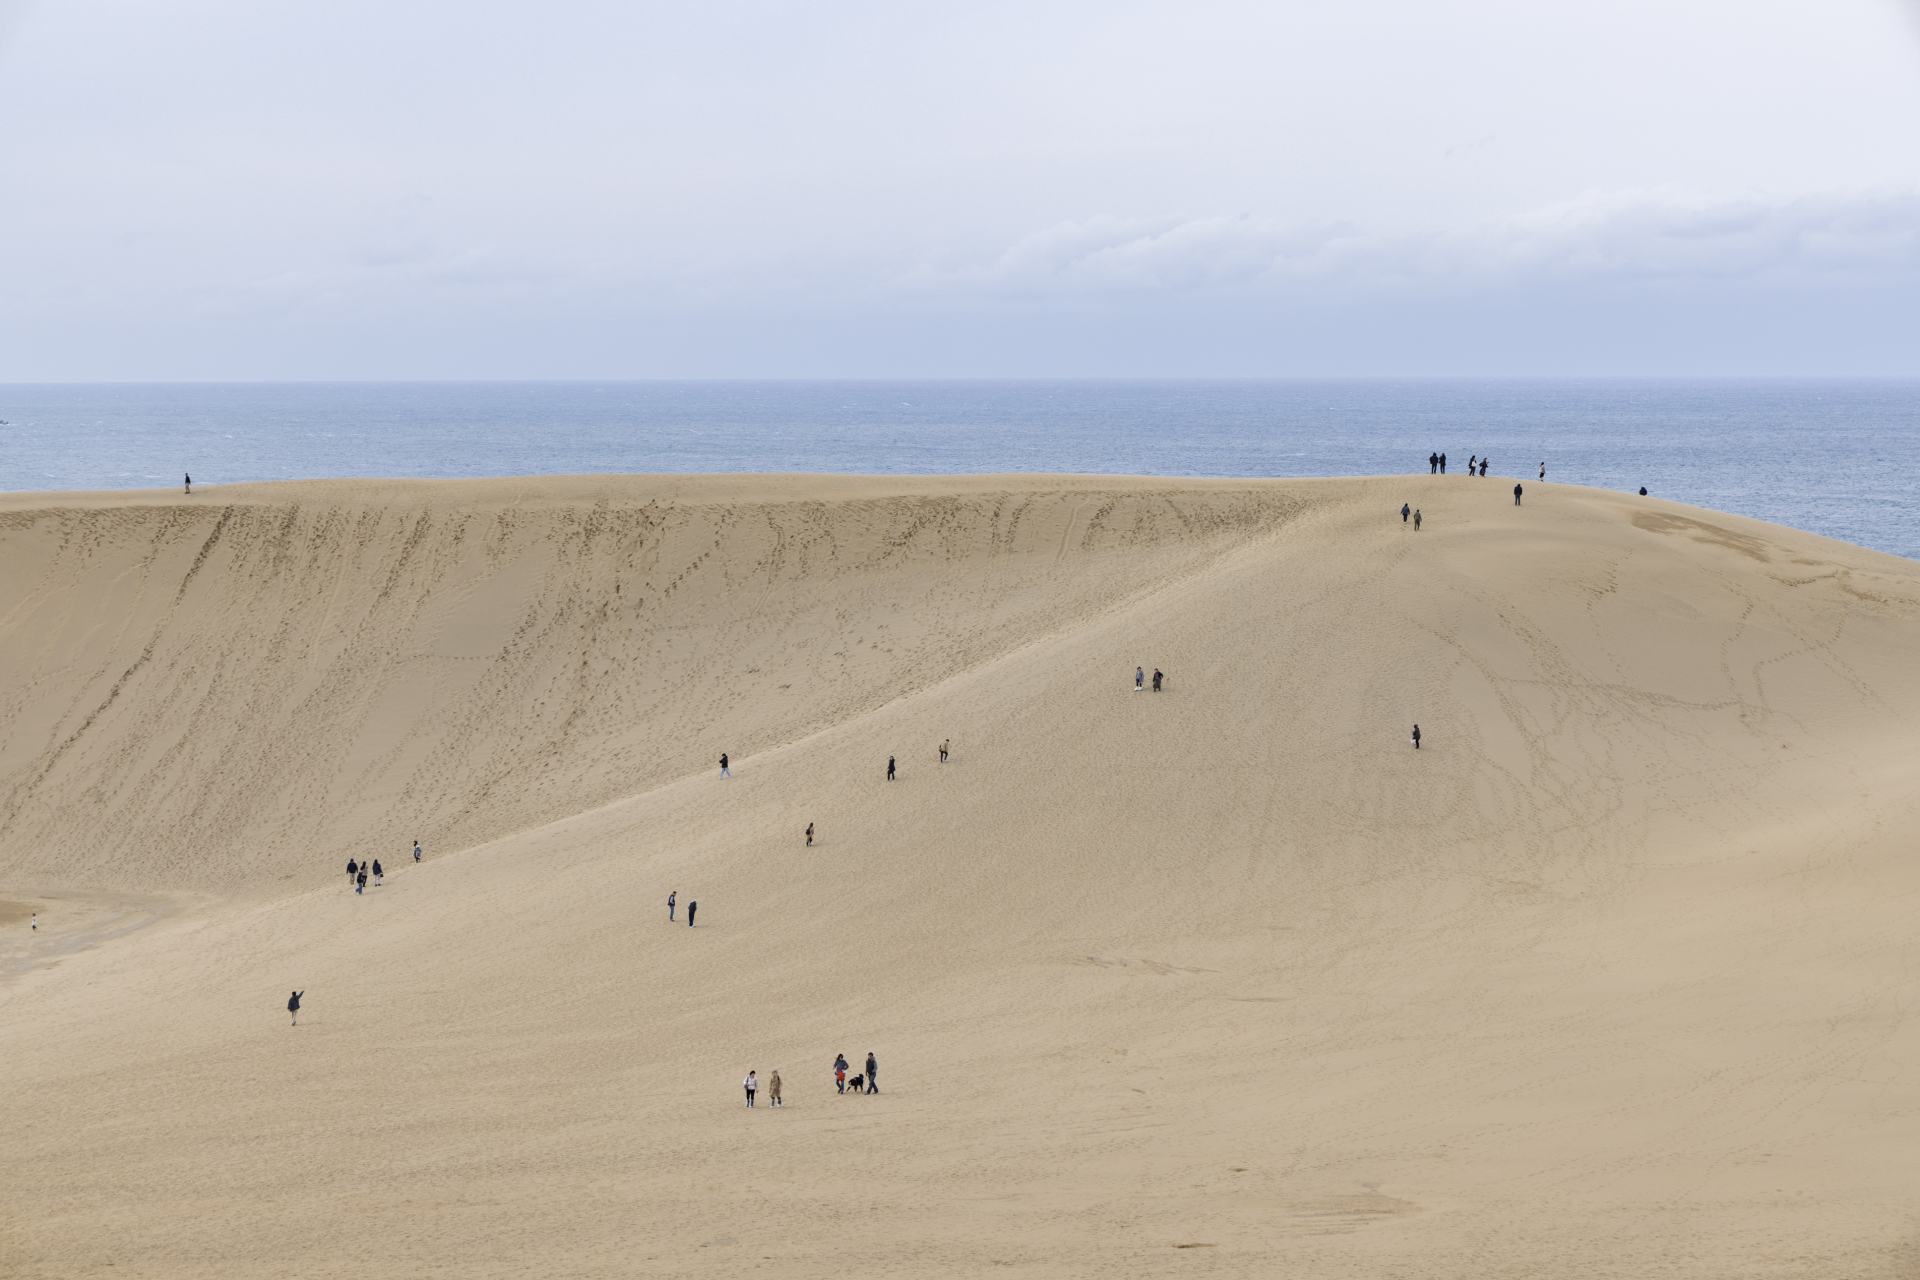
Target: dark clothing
[691,908]
[889,768]
[809,835]
[293,1002]
[671,899]
[873,1074]
[376,868]
[1416,737]
[1443,464]
[1157,678]
[840,1073]
[353,868]
[360,881]
[1433,463]
[1516,495]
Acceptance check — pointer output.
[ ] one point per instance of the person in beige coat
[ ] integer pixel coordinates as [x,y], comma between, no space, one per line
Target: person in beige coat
[773,1088]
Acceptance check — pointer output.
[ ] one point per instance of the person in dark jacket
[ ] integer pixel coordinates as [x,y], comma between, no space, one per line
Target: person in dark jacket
[1516,495]
[378,874]
[889,768]
[1158,677]
[189,476]
[1416,737]
[293,1006]
[1433,463]
[353,869]
[1405,511]
[360,881]
[725,771]
[809,835]
[840,1072]
[692,907]
[673,896]
[873,1073]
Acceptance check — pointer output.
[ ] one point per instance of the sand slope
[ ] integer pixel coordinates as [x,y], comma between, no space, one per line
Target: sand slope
[1609,979]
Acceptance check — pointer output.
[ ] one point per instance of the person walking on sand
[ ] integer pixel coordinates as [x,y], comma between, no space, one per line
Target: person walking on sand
[773,1089]
[1416,519]
[1433,463]
[1139,679]
[1543,471]
[189,476]
[809,835]
[752,1086]
[873,1073]
[416,851]
[33,925]
[1516,495]
[353,869]
[1158,677]
[673,896]
[379,876]
[1416,737]
[840,1072]
[1471,459]
[1483,468]
[293,1006]
[360,881]
[889,768]
[692,906]
[725,772]
[1405,511]
[946,749]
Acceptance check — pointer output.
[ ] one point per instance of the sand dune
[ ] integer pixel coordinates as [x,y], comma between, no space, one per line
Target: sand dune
[1610,978]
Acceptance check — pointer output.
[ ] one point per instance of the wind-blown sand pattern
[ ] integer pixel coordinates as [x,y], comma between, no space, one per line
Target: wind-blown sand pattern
[1611,978]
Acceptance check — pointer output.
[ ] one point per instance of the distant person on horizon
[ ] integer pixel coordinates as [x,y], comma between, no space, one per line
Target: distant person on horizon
[673,896]
[1471,458]
[873,1073]
[1543,471]
[752,1085]
[1433,463]
[1516,495]
[1158,676]
[1643,491]
[416,851]
[1405,511]
[1483,468]
[293,1007]
[725,772]
[809,835]
[1416,519]
[379,876]
[189,482]
[889,768]
[1443,464]
[1416,737]
[840,1072]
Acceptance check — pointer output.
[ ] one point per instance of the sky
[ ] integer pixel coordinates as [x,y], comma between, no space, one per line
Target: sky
[280,189]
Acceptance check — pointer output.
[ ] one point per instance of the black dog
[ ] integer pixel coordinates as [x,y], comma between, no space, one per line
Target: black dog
[856,1084]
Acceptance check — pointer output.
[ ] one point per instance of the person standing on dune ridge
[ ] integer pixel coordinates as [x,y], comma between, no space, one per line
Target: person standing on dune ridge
[189,482]
[1516,495]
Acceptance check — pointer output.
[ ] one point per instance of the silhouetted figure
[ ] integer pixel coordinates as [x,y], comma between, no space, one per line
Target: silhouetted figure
[353,869]
[1516,495]
[672,898]
[1543,471]
[1433,463]
[1416,519]
[1443,464]
[378,875]
[360,881]
[1405,511]
[945,750]
[416,851]
[725,772]
[293,1007]
[889,768]
[809,835]
[1416,737]
[873,1073]
[1483,468]
[1157,678]
[1471,459]
[692,906]
[1643,491]
[189,482]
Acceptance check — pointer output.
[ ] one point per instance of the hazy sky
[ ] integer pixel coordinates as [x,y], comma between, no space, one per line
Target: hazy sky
[287,189]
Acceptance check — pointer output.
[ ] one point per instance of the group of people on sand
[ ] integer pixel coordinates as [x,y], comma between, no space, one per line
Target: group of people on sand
[868,1083]
[693,904]
[359,872]
[1140,679]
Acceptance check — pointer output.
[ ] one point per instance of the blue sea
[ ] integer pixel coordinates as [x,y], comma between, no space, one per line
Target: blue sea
[1825,456]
